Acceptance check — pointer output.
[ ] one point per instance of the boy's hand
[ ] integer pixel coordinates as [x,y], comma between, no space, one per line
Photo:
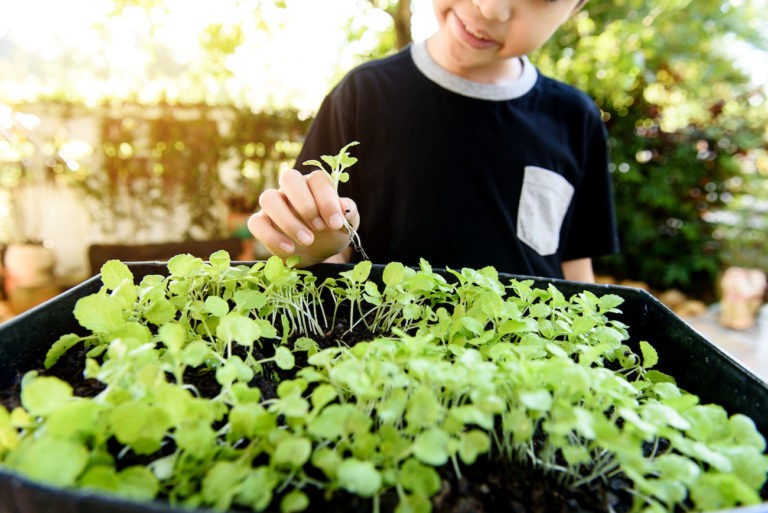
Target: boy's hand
[304,217]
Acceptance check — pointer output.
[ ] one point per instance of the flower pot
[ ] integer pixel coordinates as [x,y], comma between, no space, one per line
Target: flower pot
[697,365]
[28,266]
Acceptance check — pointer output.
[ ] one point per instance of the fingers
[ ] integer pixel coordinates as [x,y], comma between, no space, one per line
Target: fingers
[299,194]
[304,217]
[326,200]
[282,216]
[273,239]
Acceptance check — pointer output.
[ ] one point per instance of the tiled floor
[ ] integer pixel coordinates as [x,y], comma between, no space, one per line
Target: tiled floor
[749,346]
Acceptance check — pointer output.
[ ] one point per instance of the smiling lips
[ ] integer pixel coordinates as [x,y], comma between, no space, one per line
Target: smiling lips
[470,35]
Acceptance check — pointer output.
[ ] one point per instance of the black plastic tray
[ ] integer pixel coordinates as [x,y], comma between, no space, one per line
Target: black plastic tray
[697,364]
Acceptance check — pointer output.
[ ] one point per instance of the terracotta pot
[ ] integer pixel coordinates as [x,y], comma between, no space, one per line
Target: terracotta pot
[28,265]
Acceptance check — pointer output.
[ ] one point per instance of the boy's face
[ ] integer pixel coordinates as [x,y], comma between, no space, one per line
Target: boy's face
[477,33]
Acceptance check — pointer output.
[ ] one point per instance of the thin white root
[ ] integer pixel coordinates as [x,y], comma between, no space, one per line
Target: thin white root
[354,239]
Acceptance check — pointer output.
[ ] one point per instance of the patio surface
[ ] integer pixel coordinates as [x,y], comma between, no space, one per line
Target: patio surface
[749,346]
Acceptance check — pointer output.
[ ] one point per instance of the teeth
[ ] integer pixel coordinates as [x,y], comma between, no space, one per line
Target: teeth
[472,31]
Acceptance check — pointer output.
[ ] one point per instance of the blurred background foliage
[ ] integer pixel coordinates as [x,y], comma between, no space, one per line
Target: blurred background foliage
[688,124]
[689,132]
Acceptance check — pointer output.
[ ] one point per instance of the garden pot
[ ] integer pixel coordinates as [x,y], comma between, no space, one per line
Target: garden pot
[697,365]
[28,265]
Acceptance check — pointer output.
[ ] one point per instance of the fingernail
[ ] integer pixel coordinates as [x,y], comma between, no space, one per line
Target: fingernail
[318,223]
[286,247]
[336,221]
[305,237]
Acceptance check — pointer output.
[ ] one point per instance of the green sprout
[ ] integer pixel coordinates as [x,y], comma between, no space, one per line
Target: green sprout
[337,173]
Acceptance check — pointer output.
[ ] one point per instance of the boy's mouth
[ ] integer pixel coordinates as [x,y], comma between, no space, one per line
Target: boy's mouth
[473,36]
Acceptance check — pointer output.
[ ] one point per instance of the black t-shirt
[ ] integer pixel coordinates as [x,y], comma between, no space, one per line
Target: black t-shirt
[464,174]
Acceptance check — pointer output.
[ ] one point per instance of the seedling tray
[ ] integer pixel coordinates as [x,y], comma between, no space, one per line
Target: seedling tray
[697,364]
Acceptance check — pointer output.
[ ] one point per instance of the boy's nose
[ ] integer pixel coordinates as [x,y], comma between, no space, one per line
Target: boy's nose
[500,10]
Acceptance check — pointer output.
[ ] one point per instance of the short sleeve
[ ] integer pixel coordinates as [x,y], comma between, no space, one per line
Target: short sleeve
[593,230]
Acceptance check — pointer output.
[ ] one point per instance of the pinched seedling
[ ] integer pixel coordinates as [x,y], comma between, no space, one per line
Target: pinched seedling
[337,165]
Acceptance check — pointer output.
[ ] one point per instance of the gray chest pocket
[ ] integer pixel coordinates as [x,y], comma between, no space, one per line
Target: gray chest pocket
[543,203]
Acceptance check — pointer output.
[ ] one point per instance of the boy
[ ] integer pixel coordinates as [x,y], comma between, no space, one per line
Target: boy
[468,156]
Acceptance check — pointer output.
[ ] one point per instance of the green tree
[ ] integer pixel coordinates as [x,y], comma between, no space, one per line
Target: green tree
[682,119]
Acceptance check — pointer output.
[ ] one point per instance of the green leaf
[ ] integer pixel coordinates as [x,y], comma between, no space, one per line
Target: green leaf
[242,393]
[650,356]
[220,260]
[361,271]
[292,452]
[247,299]
[234,369]
[294,501]
[676,467]
[331,423]
[414,504]
[99,312]
[431,446]
[235,327]
[160,310]
[59,348]
[221,483]
[744,432]
[173,335]
[195,353]
[359,477]
[609,302]
[195,437]
[49,460]
[418,478]
[183,266]
[537,400]
[284,358]
[661,414]
[423,410]
[76,418]
[216,306]
[322,395]
[715,491]
[100,477]
[306,344]
[313,162]
[252,420]
[114,273]
[472,444]
[390,411]
[473,325]
[41,395]
[327,460]
[274,269]
[137,483]
[393,274]
[583,324]
[139,425]
[257,488]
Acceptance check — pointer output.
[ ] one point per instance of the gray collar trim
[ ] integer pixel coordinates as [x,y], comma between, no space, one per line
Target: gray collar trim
[462,86]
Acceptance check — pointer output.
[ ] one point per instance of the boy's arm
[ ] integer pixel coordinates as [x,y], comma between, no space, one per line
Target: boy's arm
[579,269]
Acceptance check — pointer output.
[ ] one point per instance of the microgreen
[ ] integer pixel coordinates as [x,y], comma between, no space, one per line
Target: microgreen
[336,172]
[454,371]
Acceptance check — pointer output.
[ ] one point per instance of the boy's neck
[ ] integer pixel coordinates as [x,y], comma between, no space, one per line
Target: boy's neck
[498,72]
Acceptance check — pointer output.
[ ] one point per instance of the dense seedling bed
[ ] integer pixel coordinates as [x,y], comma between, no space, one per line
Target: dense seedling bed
[263,388]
